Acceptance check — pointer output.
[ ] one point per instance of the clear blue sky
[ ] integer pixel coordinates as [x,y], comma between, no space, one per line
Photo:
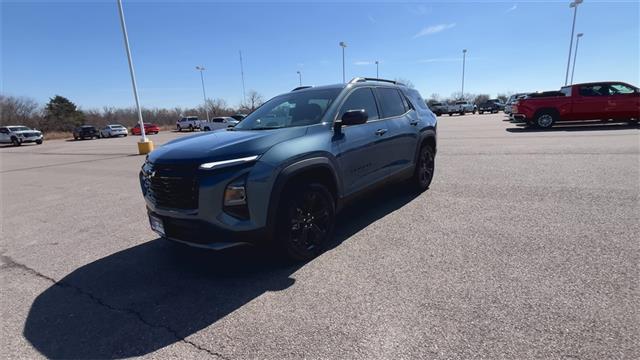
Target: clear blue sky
[75,49]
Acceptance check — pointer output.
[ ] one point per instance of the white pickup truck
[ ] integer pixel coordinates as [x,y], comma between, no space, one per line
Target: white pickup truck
[18,135]
[461,107]
[190,123]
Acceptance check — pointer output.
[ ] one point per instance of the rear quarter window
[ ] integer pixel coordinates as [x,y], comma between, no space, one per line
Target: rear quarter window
[391,102]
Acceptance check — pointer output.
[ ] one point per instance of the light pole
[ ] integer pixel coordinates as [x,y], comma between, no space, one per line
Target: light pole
[204,94]
[244,96]
[573,5]
[299,77]
[377,75]
[464,59]
[343,45]
[575,55]
[145,146]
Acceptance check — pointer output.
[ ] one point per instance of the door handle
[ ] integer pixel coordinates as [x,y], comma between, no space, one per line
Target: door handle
[381,132]
[413,122]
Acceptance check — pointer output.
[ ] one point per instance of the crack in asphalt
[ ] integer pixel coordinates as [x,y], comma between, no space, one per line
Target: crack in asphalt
[63,164]
[8,262]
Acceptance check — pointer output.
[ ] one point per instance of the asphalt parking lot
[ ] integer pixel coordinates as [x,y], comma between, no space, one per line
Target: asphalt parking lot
[524,247]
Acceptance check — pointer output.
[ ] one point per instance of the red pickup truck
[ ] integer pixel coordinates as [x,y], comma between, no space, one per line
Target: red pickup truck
[592,101]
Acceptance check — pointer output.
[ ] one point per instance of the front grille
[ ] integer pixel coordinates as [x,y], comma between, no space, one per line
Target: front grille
[172,187]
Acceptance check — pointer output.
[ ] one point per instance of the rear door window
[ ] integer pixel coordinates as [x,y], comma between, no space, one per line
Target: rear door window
[391,102]
[594,90]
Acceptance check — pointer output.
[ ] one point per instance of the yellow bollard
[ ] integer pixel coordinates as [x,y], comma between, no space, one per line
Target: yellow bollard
[145,147]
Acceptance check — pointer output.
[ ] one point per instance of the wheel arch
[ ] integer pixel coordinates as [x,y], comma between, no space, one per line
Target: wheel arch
[319,169]
[550,110]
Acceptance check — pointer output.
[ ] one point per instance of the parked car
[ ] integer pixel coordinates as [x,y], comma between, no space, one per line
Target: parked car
[149,129]
[461,107]
[85,131]
[190,123]
[439,108]
[239,117]
[490,106]
[112,130]
[283,173]
[219,123]
[591,101]
[512,99]
[18,135]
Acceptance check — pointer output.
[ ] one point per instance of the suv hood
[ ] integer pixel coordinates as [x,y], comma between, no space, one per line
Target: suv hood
[26,132]
[222,145]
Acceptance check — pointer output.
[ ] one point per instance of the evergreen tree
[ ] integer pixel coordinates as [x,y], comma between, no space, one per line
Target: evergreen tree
[62,114]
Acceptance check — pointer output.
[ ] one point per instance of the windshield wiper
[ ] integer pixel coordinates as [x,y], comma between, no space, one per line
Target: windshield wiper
[268,128]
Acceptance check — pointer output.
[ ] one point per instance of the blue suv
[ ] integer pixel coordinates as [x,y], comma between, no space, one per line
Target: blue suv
[281,174]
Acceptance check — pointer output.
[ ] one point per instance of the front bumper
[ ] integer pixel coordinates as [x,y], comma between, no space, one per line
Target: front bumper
[519,118]
[202,234]
[30,139]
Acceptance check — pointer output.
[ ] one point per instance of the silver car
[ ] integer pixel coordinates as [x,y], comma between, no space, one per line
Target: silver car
[112,130]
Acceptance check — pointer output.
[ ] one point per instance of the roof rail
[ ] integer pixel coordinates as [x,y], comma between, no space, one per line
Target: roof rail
[363,79]
[301,87]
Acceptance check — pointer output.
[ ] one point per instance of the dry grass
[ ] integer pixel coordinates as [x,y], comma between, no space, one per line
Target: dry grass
[55,135]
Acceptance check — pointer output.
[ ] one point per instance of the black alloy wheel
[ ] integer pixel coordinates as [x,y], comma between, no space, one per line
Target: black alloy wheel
[424,168]
[306,221]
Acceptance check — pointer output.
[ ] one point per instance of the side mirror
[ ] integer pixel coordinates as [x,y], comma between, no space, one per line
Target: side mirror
[355,117]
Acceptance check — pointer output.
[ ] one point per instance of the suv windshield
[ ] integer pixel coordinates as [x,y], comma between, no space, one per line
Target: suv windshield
[291,109]
[19,128]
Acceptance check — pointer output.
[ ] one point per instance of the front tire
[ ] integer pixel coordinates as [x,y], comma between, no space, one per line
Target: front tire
[15,141]
[306,220]
[425,166]
[39,142]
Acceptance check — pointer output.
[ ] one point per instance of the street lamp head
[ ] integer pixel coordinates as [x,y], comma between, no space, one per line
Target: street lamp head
[343,44]
[298,72]
[464,50]
[575,3]
[376,62]
[580,35]
[200,68]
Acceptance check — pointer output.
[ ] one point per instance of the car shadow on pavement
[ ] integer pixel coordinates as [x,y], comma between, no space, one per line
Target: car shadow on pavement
[575,127]
[150,296]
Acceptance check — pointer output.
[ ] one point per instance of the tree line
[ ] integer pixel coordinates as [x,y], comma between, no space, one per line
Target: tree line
[61,114]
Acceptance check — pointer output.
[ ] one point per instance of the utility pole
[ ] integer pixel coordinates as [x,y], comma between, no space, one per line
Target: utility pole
[573,5]
[204,94]
[464,58]
[244,93]
[343,45]
[145,146]
[575,55]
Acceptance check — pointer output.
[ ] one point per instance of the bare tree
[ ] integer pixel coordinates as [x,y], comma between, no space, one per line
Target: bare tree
[456,96]
[19,110]
[218,107]
[503,97]
[480,98]
[254,100]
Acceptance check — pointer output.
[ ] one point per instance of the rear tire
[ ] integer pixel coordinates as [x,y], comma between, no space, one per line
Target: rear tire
[178,128]
[481,112]
[425,166]
[15,141]
[306,219]
[191,128]
[545,119]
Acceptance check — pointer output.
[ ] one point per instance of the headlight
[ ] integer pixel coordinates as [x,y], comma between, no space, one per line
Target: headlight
[226,163]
